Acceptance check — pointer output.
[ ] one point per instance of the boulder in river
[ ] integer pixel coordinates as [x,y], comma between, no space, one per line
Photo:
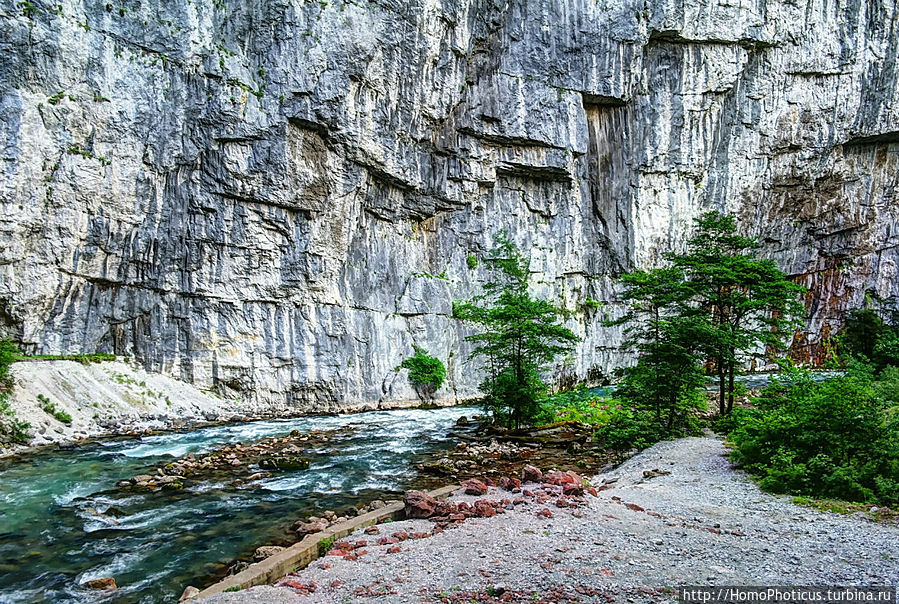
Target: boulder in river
[307,528]
[107,583]
[285,463]
[266,551]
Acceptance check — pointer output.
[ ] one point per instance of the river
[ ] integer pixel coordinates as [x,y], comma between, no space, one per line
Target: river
[52,540]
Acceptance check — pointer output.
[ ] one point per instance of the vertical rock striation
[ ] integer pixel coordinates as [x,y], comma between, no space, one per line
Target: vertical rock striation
[277,198]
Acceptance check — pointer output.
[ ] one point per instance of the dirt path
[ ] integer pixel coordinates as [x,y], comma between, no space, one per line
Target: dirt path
[702,524]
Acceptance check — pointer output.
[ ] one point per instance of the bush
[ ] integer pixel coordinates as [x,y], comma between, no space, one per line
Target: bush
[867,337]
[50,408]
[12,429]
[835,439]
[628,429]
[426,373]
[579,405]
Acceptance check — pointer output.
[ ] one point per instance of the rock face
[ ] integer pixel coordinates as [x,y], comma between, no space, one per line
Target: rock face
[277,199]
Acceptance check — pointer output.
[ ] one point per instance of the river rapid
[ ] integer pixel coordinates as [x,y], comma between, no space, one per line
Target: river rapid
[63,522]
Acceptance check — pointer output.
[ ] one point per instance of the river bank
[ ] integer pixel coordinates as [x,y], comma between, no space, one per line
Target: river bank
[675,514]
[66,522]
[68,402]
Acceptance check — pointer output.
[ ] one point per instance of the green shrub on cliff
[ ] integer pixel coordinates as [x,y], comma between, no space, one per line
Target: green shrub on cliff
[426,373]
[12,429]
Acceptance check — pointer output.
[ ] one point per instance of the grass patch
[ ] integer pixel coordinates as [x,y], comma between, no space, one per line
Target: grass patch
[84,359]
[49,407]
[325,545]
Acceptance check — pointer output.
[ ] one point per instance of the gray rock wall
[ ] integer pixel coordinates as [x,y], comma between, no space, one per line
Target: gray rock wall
[278,198]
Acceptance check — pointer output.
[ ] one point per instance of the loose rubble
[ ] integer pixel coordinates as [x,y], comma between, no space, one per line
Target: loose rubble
[675,514]
[237,464]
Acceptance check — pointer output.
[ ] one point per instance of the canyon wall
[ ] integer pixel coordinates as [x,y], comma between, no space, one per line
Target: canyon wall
[276,199]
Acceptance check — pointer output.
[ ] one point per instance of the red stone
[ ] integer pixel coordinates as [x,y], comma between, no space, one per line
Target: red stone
[571,488]
[483,509]
[419,504]
[633,506]
[474,487]
[555,478]
[394,550]
[531,473]
[545,513]
[359,544]
[388,540]
[401,535]
[372,530]
[445,508]
[592,491]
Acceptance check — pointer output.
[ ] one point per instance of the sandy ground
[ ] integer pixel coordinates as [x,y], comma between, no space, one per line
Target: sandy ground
[703,524]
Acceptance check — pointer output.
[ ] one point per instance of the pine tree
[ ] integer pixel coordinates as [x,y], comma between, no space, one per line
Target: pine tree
[521,336]
[667,377]
[747,302]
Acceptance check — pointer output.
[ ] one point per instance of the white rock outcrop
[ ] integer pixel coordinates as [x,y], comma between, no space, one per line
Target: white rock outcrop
[277,198]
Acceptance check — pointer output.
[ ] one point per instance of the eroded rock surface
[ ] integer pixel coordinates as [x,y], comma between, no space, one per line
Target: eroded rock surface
[277,199]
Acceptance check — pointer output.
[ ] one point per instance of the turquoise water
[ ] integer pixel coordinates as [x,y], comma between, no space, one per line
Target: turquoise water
[52,540]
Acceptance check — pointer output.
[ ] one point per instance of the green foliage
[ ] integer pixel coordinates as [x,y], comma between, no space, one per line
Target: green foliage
[50,408]
[12,429]
[472,261]
[835,439]
[579,405]
[426,373]
[717,301]
[28,8]
[520,337]
[629,428]
[866,336]
[325,545]
[886,350]
[860,332]
[743,301]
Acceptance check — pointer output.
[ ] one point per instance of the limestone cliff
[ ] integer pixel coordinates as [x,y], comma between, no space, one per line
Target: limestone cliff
[277,198]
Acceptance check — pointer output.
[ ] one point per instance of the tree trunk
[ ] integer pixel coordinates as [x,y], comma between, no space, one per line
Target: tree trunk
[722,410]
[730,379]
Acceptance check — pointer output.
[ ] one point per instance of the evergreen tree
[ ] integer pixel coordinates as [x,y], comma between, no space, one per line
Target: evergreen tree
[667,377]
[746,302]
[521,336]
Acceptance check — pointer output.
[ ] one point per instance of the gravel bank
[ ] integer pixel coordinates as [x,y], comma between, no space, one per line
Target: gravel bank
[704,523]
